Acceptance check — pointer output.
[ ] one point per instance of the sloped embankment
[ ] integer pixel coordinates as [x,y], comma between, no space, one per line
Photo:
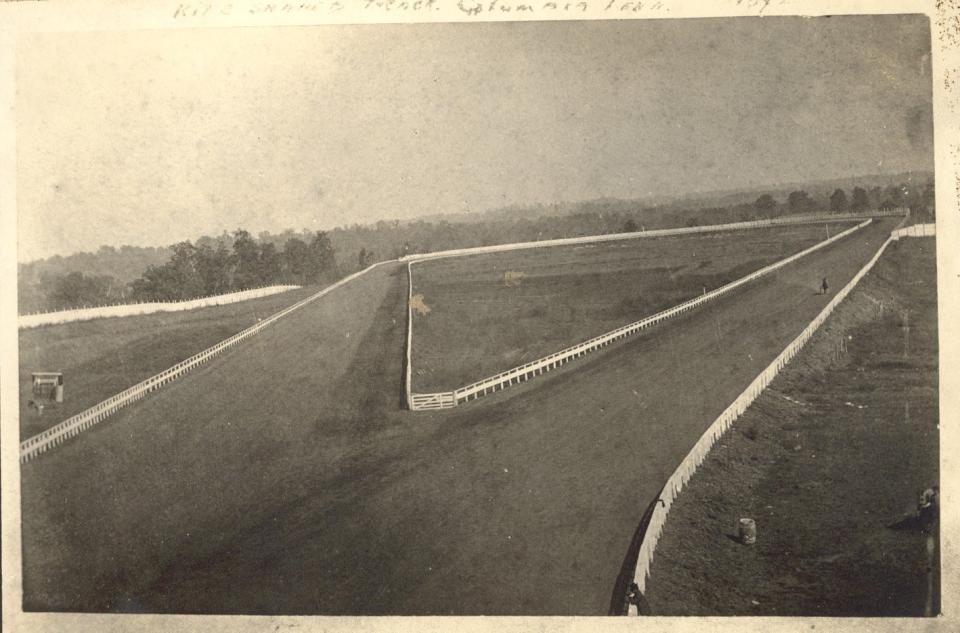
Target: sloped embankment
[837,448]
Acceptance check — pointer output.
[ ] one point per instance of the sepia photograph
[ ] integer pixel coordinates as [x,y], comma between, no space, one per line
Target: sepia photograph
[520,317]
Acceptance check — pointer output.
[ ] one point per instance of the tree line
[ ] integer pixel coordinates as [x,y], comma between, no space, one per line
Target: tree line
[212,266]
[918,199]
[238,261]
[200,270]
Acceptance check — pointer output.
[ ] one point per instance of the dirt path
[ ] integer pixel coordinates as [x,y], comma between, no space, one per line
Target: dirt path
[267,497]
[836,450]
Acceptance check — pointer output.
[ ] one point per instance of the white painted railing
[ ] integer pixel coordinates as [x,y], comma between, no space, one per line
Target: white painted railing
[135,309]
[80,422]
[611,237]
[425,401]
[695,457]
[916,230]
[527,371]
[408,369]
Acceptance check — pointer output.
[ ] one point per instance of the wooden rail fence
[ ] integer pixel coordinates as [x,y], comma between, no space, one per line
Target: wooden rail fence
[695,457]
[915,230]
[612,237]
[523,373]
[82,421]
[135,309]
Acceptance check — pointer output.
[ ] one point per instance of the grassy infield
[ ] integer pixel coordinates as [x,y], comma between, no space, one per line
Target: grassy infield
[488,313]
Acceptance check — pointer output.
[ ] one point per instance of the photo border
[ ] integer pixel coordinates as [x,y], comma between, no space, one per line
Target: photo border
[105,15]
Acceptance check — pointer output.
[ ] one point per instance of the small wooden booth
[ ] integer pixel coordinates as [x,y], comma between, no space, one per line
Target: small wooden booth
[47,386]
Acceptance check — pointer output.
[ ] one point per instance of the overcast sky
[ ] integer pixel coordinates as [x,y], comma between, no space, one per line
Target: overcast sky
[148,138]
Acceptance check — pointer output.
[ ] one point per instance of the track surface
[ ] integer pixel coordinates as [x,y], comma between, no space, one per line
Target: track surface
[244,489]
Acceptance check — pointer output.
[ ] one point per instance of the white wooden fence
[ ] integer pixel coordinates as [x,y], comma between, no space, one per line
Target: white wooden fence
[611,237]
[80,422]
[523,373]
[916,230]
[695,457]
[426,401]
[407,368]
[134,309]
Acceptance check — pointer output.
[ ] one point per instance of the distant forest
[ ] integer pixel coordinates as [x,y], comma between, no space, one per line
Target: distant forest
[238,261]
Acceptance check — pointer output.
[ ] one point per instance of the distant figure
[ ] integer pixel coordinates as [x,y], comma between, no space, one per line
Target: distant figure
[926,517]
[823,286]
[928,510]
[637,599]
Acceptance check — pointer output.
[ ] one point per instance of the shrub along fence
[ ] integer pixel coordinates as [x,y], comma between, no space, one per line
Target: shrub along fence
[80,422]
[523,373]
[695,457]
[133,309]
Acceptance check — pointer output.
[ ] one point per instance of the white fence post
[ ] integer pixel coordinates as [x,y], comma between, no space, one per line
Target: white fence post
[409,346]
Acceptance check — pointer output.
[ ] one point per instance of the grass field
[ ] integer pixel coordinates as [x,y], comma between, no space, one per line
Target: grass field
[832,453]
[102,357]
[284,477]
[487,313]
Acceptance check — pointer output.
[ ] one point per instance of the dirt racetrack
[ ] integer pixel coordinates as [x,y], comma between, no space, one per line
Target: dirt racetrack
[284,478]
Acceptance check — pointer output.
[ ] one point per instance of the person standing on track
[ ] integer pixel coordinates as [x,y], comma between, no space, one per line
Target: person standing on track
[636,598]
[824,287]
